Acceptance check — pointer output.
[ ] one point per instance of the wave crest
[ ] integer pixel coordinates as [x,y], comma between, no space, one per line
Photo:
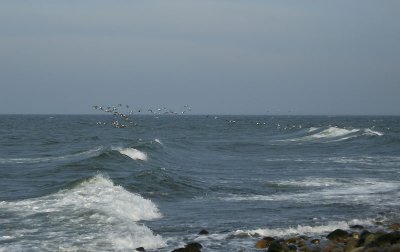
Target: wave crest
[133,153]
[333,134]
[93,213]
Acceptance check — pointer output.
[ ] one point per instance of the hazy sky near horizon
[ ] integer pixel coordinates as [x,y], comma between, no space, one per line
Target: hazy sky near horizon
[218,56]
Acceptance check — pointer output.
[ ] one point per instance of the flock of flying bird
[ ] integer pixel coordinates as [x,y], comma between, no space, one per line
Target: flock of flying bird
[122,120]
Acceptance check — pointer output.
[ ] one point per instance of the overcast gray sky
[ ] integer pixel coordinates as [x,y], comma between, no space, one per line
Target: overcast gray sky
[218,56]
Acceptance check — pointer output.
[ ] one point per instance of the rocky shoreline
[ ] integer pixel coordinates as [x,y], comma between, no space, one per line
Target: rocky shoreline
[356,239]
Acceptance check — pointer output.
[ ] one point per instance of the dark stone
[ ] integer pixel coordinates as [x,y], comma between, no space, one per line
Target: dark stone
[292,248]
[385,239]
[268,238]
[356,227]
[190,247]
[394,226]
[315,241]
[179,250]
[140,249]
[203,232]
[276,246]
[194,245]
[264,242]
[338,235]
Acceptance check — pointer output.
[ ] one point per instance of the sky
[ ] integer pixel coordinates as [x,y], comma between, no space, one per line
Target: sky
[218,56]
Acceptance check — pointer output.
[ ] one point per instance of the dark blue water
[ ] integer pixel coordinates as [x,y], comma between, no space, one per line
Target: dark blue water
[73,183]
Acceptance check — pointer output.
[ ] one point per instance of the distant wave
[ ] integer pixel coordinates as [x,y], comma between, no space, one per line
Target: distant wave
[108,211]
[133,153]
[333,134]
[69,157]
[329,191]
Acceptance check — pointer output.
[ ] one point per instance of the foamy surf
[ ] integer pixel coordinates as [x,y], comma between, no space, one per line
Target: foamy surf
[304,229]
[133,153]
[324,191]
[333,134]
[92,216]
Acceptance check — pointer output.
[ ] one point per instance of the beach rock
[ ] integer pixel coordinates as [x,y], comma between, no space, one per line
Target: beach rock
[333,247]
[351,244]
[394,248]
[292,240]
[193,247]
[203,232]
[315,241]
[277,246]
[359,249]
[385,240]
[292,248]
[338,235]
[140,249]
[356,227]
[394,227]
[363,236]
[190,247]
[264,242]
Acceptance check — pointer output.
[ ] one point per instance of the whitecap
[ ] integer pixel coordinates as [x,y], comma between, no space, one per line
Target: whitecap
[369,132]
[95,215]
[363,191]
[304,229]
[133,153]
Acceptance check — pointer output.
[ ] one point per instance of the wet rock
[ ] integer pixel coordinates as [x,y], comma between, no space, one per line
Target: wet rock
[338,235]
[277,246]
[190,247]
[394,227]
[394,248]
[355,235]
[385,240]
[203,232]
[359,249]
[264,242]
[351,244]
[140,249]
[193,246]
[333,247]
[315,241]
[179,250]
[356,227]
[363,237]
[292,240]
[292,248]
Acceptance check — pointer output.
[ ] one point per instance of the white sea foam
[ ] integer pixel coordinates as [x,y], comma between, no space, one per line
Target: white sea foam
[304,229]
[158,141]
[363,191]
[133,153]
[69,157]
[313,129]
[370,132]
[95,215]
[333,134]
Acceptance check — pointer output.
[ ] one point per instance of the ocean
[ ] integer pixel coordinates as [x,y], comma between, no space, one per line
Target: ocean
[77,183]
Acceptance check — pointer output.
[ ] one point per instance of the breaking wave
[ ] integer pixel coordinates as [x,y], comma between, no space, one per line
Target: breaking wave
[94,213]
[133,153]
[304,230]
[333,134]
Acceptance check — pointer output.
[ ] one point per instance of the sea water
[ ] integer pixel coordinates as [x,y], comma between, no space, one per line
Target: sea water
[70,183]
